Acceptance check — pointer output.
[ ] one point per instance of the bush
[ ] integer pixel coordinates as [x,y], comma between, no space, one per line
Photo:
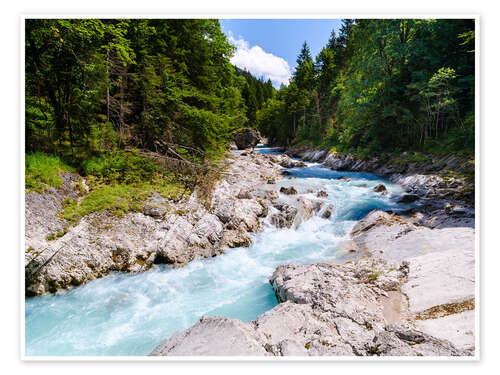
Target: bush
[42,170]
[122,167]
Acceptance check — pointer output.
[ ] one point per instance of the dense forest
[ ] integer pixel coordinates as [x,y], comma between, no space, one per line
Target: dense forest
[93,86]
[106,97]
[135,106]
[379,85]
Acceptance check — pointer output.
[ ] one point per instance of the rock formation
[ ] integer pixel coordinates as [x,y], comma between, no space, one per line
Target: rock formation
[388,302]
[246,138]
[165,232]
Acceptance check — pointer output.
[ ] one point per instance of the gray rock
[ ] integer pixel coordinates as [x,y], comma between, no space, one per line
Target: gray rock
[395,238]
[286,216]
[327,309]
[271,180]
[87,252]
[244,194]
[305,211]
[326,211]
[286,162]
[359,308]
[408,198]
[102,243]
[156,212]
[246,138]
[450,275]
[213,337]
[41,210]
[172,249]
[322,194]
[380,188]
[459,329]
[236,238]
[288,191]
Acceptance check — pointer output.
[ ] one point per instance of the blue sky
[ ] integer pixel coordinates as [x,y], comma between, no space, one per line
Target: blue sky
[269,47]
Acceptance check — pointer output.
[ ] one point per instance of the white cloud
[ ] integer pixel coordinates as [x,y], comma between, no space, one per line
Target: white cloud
[259,62]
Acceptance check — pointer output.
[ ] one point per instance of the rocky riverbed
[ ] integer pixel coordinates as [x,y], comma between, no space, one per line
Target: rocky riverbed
[165,232]
[422,305]
[409,292]
[443,184]
[407,288]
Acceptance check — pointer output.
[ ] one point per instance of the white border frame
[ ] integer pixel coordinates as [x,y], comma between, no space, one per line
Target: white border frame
[267,15]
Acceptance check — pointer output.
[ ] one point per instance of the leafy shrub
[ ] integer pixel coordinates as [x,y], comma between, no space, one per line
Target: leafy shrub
[123,167]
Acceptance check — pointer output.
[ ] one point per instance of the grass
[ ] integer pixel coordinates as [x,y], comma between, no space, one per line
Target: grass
[55,236]
[42,171]
[118,182]
[119,199]
[122,167]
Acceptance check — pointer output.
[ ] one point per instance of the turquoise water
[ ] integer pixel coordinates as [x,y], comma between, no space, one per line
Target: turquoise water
[130,314]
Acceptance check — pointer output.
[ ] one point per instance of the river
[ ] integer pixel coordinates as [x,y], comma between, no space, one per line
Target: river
[130,314]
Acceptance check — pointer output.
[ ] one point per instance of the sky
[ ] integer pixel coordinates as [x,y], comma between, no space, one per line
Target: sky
[269,47]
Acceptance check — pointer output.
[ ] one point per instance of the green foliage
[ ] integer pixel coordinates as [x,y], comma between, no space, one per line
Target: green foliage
[42,170]
[55,236]
[382,85]
[119,199]
[98,88]
[122,167]
[254,91]
[94,86]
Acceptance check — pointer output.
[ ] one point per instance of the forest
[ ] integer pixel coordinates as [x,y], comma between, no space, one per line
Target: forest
[94,86]
[381,85]
[103,95]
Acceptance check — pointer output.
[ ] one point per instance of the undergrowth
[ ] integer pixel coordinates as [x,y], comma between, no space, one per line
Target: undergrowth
[120,198]
[42,171]
[119,182]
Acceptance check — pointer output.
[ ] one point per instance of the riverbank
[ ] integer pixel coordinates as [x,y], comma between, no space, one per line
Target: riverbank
[166,231]
[420,306]
[443,184]
[406,288]
[410,291]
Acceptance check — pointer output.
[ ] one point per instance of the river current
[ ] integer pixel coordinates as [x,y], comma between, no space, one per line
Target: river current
[130,314]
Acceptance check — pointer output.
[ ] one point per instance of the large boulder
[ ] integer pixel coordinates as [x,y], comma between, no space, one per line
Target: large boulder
[284,218]
[305,211]
[236,238]
[88,251]
[395,238]
[212,337]
[285,161]
[246,138]
[288,191]
[322,194]
[325,309]
[450,275]
[380,188]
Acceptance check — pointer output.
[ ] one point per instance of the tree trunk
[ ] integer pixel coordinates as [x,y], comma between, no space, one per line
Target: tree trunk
[107,86]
